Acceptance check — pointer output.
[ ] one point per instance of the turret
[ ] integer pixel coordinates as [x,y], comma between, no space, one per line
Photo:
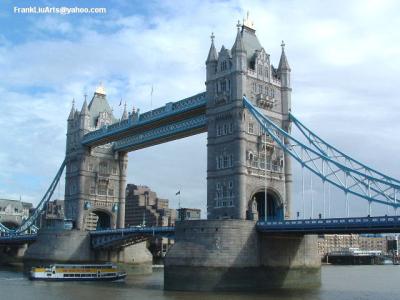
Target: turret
[84,118]
[72,113]
[284,68]
[212,58]
[284,74]
[124,114]
[239,54]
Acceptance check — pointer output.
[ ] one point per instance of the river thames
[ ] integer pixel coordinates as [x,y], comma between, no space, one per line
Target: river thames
[338,283]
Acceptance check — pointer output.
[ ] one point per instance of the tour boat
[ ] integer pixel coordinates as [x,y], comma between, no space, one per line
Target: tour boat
[78,272]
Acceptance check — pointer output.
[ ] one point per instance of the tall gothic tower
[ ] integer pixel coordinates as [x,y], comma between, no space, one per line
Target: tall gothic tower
[248,175]
[95,178]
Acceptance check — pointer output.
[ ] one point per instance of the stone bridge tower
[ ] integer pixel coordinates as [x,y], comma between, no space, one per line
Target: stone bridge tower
[244,164]
[95,178]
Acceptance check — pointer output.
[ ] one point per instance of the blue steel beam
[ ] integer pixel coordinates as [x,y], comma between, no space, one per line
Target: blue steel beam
[29,223]
[163,134]
[171,112]
[344,177]
[383,224]
[114,238]
[17,239]
[335,154]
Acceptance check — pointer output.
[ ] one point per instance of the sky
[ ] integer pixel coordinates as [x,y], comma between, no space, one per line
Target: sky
[344,55]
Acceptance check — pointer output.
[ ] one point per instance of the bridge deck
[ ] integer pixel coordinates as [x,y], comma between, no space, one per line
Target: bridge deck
[382,224]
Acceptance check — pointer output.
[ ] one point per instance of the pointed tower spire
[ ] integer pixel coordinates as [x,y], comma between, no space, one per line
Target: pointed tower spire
[212,54]
[85,109]
[283,62]
[238,46]
[125,113]
[72,112]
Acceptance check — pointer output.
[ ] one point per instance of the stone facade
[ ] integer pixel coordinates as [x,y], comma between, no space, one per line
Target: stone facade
[143,207]
[189,214]
[338,242]
[13,212]
[231,255]
[95,178]
[243,162]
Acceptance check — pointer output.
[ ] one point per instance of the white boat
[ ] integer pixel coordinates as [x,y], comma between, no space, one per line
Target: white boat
[78,272]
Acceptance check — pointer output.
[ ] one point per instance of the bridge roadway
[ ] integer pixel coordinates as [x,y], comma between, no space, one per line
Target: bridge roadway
[109,238]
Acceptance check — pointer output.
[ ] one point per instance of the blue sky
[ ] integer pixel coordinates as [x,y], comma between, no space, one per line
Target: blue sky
[345,59]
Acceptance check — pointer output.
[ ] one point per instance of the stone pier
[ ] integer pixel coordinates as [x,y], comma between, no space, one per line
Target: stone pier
[232,255]
[74,246]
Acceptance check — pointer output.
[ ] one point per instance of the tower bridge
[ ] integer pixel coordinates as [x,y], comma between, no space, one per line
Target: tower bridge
[250,239]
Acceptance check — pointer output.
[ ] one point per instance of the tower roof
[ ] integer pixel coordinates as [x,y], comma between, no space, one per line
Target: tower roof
[212,54]
[84,110]
[99,104]
[238,45]
[72,112]
[125,113]
[283,62]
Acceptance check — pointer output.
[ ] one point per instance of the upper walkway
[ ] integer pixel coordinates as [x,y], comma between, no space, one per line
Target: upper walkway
[171,121]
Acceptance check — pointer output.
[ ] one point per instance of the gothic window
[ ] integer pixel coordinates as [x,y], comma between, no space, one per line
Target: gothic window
[219,130]
[255,162]
[103,168]
[225,161]
[266,72]
[220,162]
[230,184]
[260,71]
[114,170]
[251,128]
[223,65]
[102,187]
[254,87]
[231,203]
[230,127]
[225,129]
[231,160]
[224,192]
[90,167]
[260,89]
[223,86]
[111,192]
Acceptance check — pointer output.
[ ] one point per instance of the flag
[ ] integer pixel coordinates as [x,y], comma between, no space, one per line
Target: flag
[152,90]
[178,193]
[120,102]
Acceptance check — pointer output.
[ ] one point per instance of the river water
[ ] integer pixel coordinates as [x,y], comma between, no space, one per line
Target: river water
[338,283]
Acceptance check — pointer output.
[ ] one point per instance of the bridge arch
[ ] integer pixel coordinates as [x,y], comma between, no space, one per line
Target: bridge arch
[256,205]
[99,218]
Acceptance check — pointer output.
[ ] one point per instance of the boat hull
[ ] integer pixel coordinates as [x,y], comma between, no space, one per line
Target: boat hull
[114,278]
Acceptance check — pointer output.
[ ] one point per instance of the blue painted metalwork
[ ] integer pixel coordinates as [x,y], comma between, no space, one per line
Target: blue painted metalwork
[334,225]
[169,110]
[17,239]
[350,180]
[335,154]
[29,223]
[160,133]
[121,237]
